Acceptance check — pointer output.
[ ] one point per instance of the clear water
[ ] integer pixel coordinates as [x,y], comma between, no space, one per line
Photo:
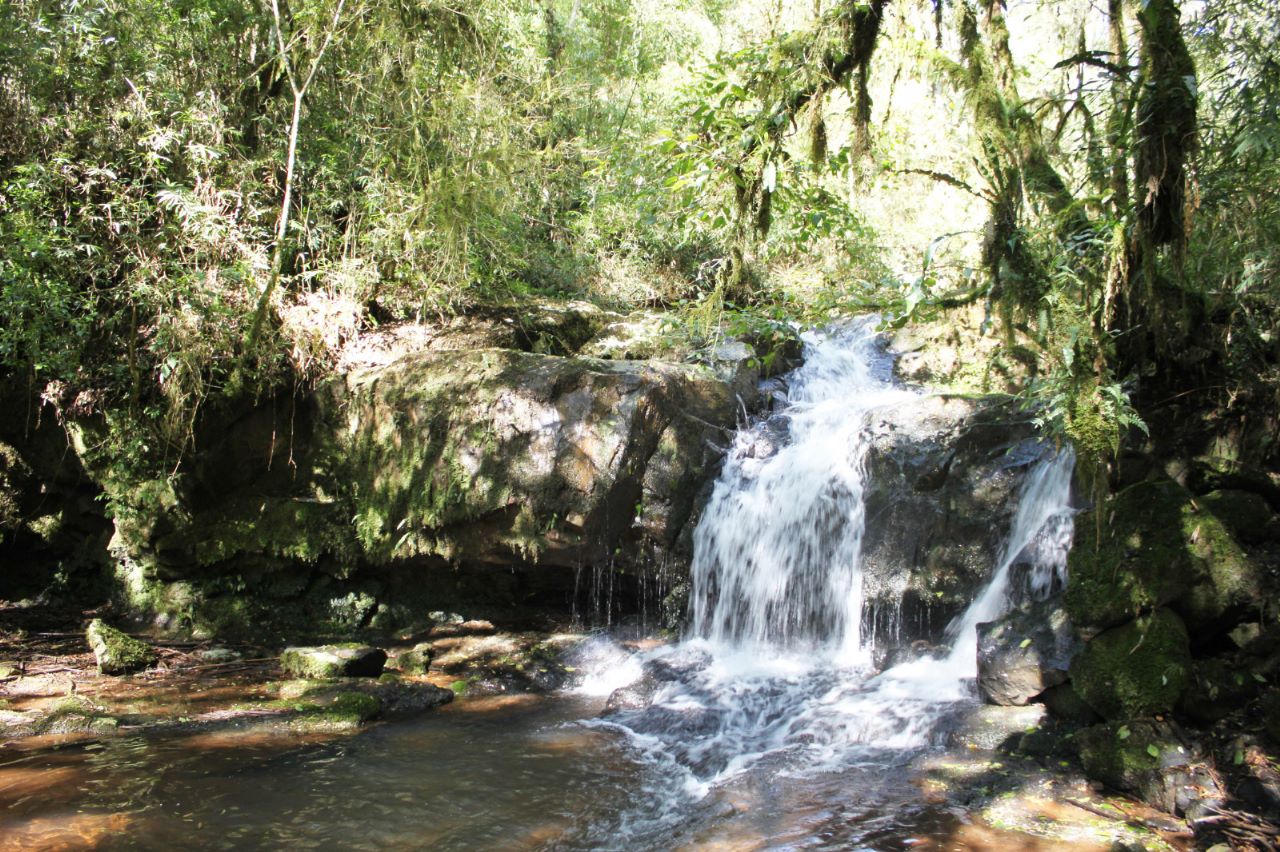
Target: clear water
[766,728]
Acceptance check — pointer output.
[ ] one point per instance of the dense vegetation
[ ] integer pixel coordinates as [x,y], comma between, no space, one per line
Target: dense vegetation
[205,200]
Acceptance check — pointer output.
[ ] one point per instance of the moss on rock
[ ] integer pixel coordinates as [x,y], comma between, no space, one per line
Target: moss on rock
[414,661]
[116,653]
[1159,548]
[1135,670]
[328,661]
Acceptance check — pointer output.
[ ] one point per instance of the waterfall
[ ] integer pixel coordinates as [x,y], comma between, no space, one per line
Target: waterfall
[776,672]
[778,548]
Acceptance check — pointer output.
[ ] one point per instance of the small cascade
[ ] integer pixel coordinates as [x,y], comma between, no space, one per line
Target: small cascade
[777,551]
[776,674]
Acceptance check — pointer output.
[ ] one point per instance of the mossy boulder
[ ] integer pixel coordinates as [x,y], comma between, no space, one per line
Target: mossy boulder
[412,661]
[75,715]
[117,653]
[1159,547]
[340,712]
[1136,669]
[329,661]
[1152,759]
[439,463]
[1248,515]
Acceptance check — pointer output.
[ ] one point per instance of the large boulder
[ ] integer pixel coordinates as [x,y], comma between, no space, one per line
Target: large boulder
[1137,669]
[443,478]
[116,652]
[1161,547]
[942,475]
[1025,652]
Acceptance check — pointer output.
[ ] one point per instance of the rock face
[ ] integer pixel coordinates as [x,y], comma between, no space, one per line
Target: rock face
[443,477]
[942,474]
[326,661]
[118,654]
[1025,652]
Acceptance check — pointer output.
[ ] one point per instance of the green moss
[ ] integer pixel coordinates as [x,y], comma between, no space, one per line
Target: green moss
[1158,547]
[73,715]
[345,711]
[1135,670]
[344,659]
[1125,755]
[117,653]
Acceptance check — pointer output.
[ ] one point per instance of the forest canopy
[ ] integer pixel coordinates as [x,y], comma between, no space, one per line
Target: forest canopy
[204,200]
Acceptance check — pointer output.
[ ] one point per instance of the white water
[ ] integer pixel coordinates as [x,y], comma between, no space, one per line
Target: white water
[776,674]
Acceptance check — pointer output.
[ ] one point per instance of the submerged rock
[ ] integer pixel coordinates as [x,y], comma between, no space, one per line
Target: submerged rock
[326,661]
[1025,652]
[116,652]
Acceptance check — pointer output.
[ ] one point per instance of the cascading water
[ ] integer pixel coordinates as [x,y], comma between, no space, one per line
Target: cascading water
[777,551]
[776,673]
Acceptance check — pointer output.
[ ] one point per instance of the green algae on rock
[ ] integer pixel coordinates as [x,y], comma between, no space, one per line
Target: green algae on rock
[1137,669]
[328,661]
[117,653]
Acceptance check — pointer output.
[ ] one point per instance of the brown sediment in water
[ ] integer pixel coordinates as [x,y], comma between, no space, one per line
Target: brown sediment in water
[64,833]
[492,703]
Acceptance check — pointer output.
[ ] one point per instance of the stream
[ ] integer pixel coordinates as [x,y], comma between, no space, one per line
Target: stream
[768,726]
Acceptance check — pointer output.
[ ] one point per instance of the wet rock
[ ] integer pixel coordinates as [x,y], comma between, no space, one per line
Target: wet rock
[993,727]
[1135,670]
[407,699]
[414,661]
[217,656]
[639,694]
[471,627]
[1153,760]
[1161,548]
[942,472]
[506,662]
[117,653]
[1025,652]
[326,661]
[74,714]
[337,712]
